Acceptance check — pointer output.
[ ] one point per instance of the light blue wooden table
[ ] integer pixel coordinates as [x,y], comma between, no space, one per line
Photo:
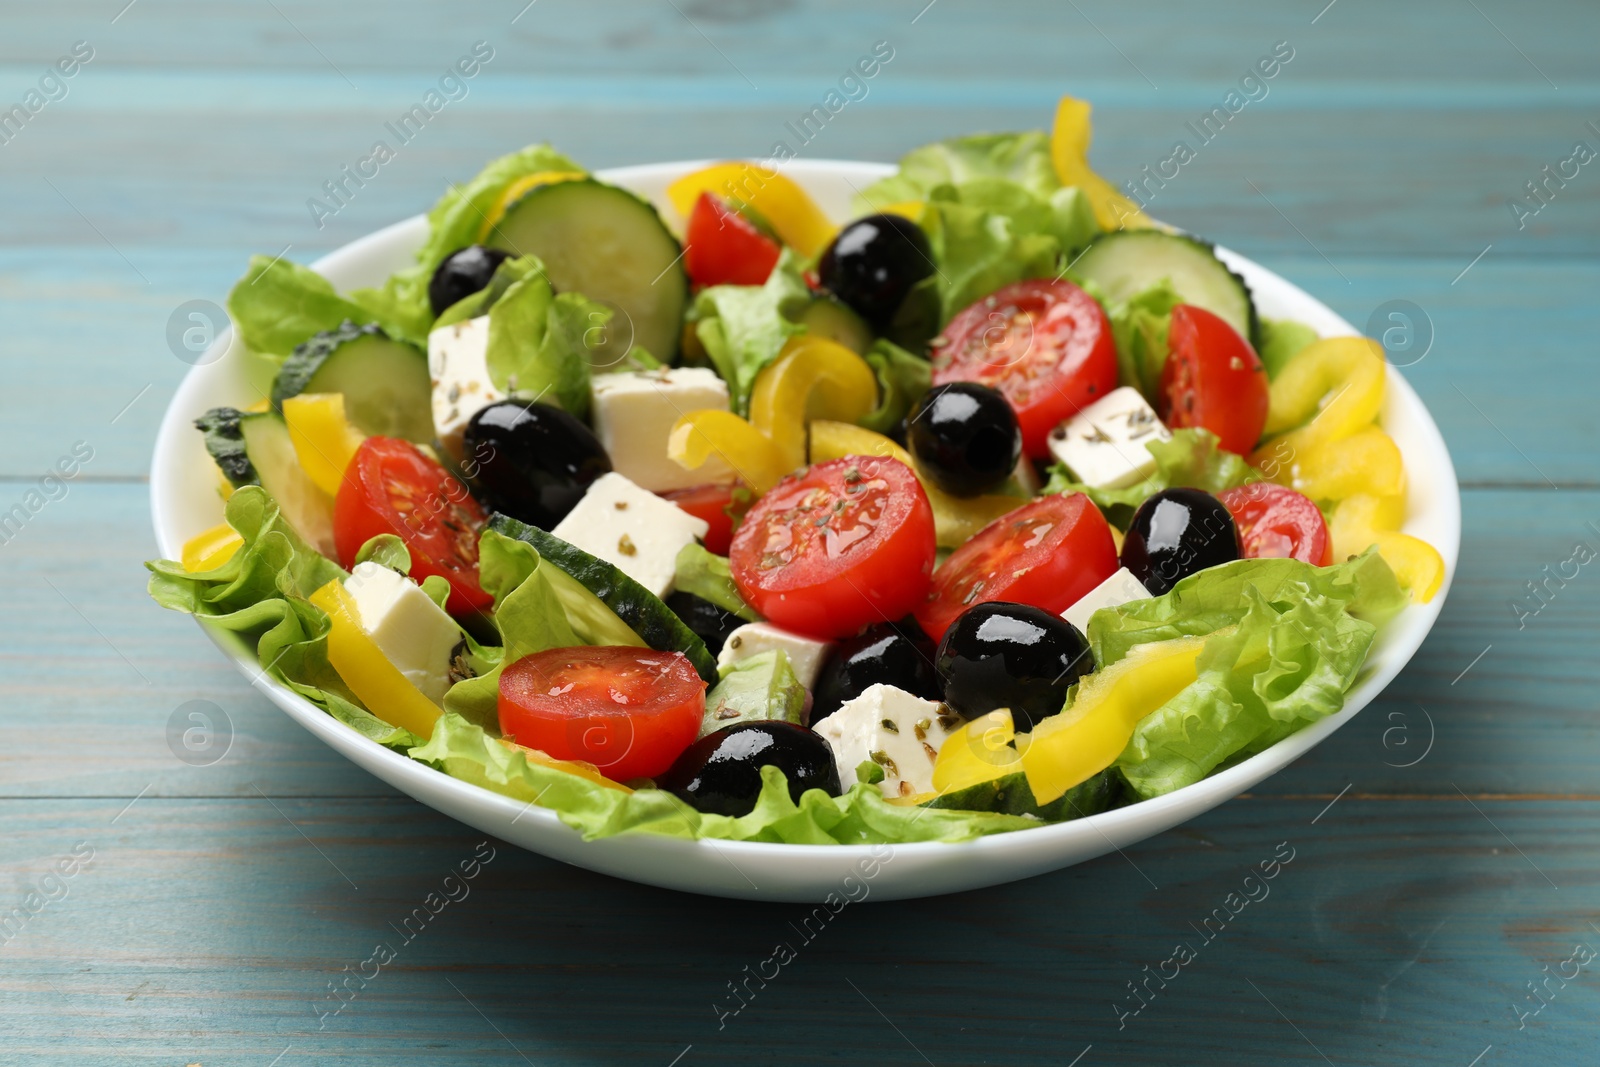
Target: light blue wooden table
[1446,843]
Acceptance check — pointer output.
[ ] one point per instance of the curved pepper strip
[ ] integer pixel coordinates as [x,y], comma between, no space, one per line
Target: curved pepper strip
[1069,152]
[987,748]
[1088,737]
[955,519]
[1367,462]
[791,212]
[1362,520]
[324,438]
[386,692]
[813,378]
[698,435]
[210,549]
[1330,390]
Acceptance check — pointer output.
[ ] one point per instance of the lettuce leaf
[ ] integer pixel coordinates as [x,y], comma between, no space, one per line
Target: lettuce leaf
[902,379]
[861,816]
[757,689]
[744,327]
[260,593]
[1139,325]
[708,576]
[979,251]
[1022,159]
[1287,641]
[279,304]
[1281,341]
[1191,459]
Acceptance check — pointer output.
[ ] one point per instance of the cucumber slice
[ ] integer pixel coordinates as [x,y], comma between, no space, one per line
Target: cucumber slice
[386,387]
[1127,262]
[830,319]
[635,605]
[255,449]
[1011,795]
[610,246]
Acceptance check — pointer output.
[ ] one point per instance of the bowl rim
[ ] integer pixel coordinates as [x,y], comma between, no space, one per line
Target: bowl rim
[175,436]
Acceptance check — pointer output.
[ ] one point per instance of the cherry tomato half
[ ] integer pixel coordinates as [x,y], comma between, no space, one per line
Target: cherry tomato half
[714,504]
[1275,522]
[1045,344]
[836,547]
[629,711]
[390,487]
[1214,379]
[722,247]
[1048,553]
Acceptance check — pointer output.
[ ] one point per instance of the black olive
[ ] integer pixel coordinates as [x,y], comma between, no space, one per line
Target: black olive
[874,263]
[896,654]
[462,273]
[999,655]
[1175,533]
[965,437]
[710,623]
[721,772]
[531,461]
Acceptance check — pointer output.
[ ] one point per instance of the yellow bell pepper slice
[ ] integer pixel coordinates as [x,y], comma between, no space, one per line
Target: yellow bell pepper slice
[698,435]
[210,549]
[1361,521]
[1333,387]
[1365,463]
[980,752]
[813,378]
[1069,151]
[324,439]
[792,213]
[516,190]
[386,692]
[955,519]
[1084,740]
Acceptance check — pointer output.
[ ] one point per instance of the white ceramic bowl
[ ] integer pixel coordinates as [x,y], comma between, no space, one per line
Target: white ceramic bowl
[184,501]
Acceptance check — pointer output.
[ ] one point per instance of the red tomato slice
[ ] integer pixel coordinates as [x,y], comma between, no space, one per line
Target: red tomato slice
[836,547]
[1275,522]
[714,504]
[390,487]
[629,711]
[1046,345]
[1048,553]
[1214,379]
[722,247]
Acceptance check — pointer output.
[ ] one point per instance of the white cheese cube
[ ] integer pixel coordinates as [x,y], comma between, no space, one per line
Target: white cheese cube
[896,730]
[1116,590]
[753,638]
[631,528]
[634,412]
[1104,444]
[458,364]
[413,633]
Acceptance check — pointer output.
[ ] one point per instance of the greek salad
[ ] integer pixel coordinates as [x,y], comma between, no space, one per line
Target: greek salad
[995,504]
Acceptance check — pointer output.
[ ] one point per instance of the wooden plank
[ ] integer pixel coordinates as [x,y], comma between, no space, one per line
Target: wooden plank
[1520,720]
[208,931]
[86,306]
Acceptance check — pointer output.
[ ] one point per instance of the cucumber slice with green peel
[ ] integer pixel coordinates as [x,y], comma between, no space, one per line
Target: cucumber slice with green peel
[830,319]
[386,387]
[253,448]
[1011,795]
[1126,262]
[643,612]
[610,246]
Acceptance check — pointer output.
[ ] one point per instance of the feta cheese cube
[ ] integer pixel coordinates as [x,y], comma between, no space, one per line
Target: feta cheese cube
[458,364]
[413,633]
[897,730]
[1104,444]
[1118,589]
[753,638]
[631,528]
[634,412]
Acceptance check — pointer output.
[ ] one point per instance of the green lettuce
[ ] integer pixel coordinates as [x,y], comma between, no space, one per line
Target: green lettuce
[279,304]
[1191,459]
[1281,341]
[1022,159]
[902,379]
[860,816]
[979,251]
[260,593]
[744,327]
[1139,325]
[1285,642]
[758,689]
[708,576]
